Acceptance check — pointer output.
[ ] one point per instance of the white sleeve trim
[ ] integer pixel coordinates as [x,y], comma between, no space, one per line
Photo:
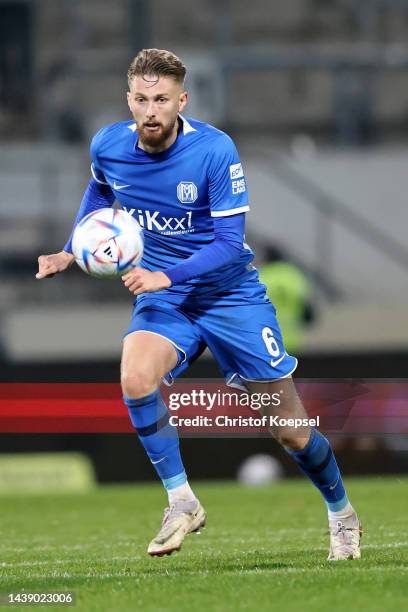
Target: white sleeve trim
[228,213]
[96,178]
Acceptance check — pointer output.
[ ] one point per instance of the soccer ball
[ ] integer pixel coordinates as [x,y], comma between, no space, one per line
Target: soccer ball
[107,243]
[260,469]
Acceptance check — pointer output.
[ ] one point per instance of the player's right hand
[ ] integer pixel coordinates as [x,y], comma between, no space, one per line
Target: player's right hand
[48,265]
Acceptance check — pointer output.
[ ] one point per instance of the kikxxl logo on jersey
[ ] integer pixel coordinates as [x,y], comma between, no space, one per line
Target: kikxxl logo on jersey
[154,220]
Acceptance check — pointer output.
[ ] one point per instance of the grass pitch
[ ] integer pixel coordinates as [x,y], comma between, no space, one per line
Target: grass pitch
[263,549]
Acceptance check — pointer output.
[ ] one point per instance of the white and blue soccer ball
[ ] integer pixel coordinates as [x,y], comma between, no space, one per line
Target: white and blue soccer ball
[107,243]
[260,469]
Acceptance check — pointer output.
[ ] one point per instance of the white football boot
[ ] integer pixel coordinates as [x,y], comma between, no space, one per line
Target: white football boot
[345,535]
[179,520]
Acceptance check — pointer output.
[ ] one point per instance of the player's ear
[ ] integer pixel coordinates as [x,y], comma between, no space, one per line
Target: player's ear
[183,101]
[128,99]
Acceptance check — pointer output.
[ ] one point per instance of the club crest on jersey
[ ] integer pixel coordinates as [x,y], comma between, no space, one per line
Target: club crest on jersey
[187,192]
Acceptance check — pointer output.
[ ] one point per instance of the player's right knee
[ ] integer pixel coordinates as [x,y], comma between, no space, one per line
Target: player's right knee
[138,384]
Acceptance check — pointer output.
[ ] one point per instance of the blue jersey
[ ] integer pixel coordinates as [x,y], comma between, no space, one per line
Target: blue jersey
[174,195]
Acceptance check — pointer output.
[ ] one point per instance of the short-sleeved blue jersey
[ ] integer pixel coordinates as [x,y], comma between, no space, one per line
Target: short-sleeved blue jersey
[175,195]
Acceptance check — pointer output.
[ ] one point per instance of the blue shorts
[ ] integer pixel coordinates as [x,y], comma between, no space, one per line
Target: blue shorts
[239,327]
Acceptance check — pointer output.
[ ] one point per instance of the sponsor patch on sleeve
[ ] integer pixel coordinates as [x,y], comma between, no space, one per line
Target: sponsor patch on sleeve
[238,186]
[236,171]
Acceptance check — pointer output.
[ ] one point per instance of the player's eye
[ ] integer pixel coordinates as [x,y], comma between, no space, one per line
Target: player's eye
[139,100]
[162,99]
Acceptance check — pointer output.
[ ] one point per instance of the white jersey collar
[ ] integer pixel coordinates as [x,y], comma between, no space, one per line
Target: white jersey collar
[187,127]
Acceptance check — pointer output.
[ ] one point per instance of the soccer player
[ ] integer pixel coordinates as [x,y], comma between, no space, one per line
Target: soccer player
[183,181]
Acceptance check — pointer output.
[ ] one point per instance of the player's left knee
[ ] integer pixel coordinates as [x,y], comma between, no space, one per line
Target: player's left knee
[293,441]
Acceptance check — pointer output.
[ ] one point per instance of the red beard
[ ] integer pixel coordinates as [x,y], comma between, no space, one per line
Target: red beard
[154,138]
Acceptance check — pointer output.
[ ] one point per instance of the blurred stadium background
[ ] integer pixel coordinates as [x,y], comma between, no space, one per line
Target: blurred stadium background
[315,93]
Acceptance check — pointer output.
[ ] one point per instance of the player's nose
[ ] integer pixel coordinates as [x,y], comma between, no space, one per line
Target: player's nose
[150,111]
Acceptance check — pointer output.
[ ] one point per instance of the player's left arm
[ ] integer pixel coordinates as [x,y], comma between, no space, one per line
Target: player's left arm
[228,201]
[140,280]
[224,249]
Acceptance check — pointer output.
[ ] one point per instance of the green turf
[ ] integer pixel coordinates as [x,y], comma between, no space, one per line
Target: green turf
[263,549]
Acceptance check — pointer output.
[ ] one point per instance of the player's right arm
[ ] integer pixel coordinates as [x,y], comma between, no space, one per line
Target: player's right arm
[95,197]
[98,194]
[48,265]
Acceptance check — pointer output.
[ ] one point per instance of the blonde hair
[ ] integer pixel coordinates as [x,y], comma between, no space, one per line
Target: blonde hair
[157,62]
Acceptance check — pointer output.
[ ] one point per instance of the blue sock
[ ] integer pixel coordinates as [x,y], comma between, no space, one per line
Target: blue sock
[150,417]
[317,461]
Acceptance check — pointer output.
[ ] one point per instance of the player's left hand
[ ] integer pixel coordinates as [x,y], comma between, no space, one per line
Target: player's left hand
[140,280]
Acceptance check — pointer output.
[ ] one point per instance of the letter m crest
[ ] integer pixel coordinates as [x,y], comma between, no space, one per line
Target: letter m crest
[187,192]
